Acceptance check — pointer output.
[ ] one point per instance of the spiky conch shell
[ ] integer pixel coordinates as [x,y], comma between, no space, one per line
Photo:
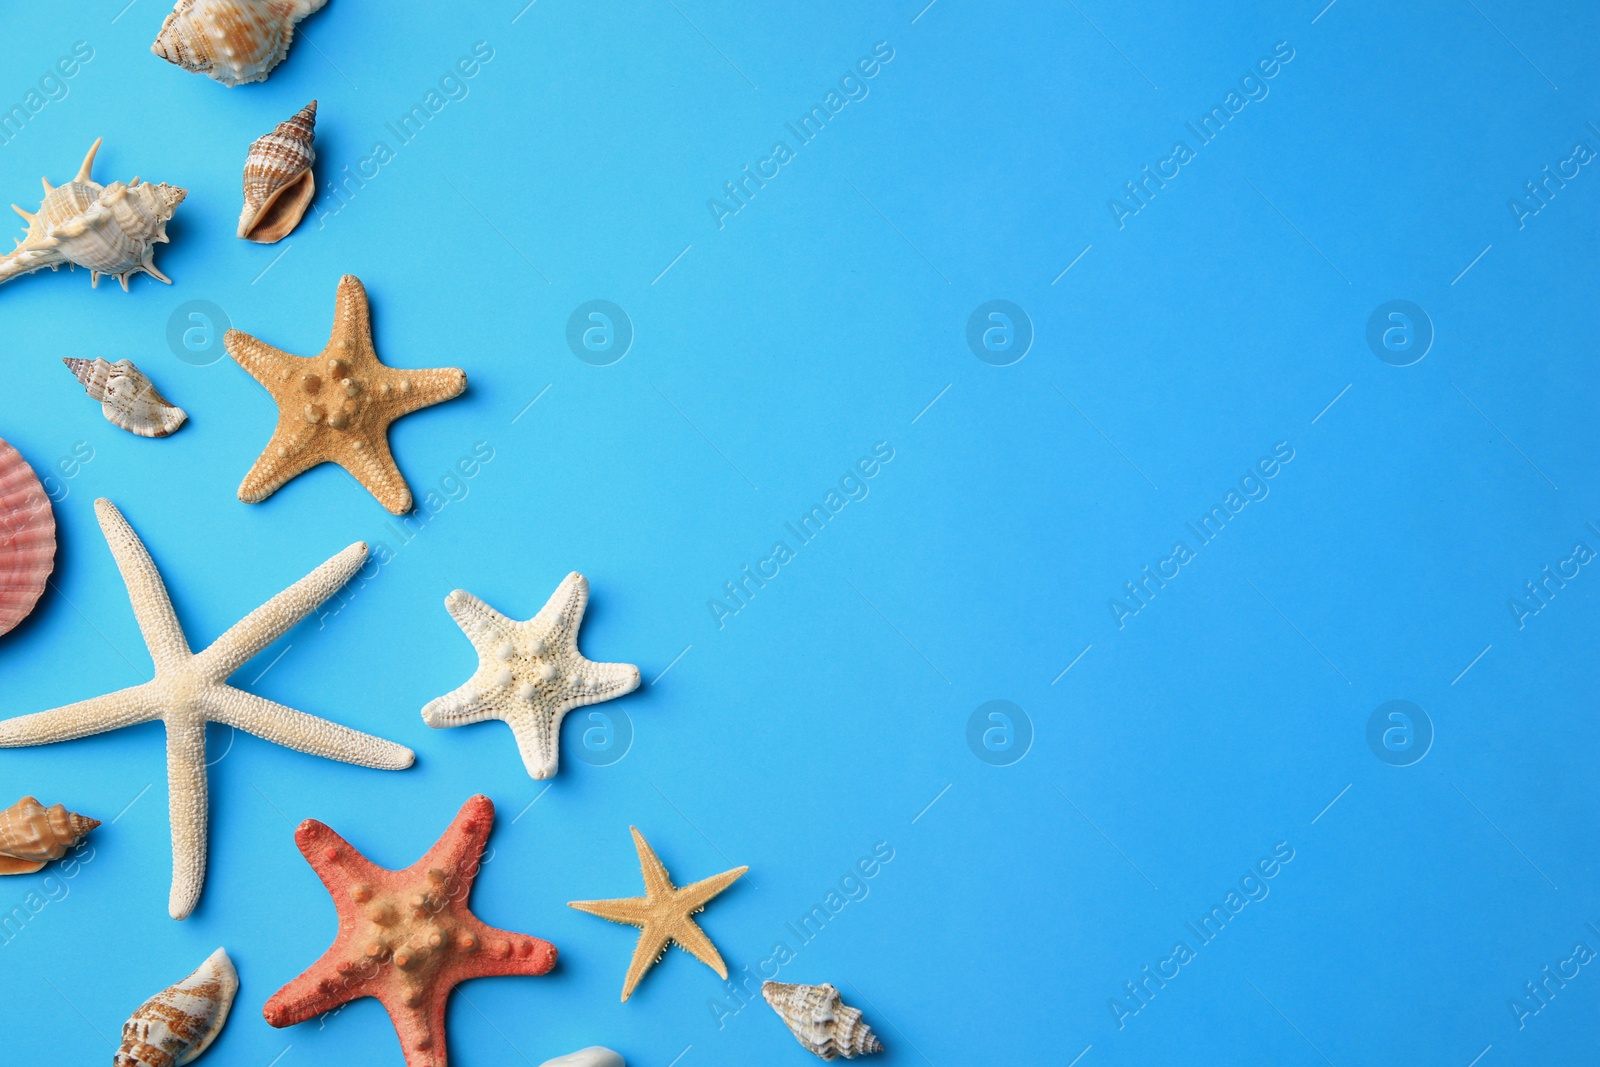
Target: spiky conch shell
[180,1022]
[27,538]
[32,835]
[108,229]
[278,183]
[820,1020]
[127,397]
[231,41]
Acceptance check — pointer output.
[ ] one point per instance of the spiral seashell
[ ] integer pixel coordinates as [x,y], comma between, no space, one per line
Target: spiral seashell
[27,538]
[127,398]
[180,1022]
[278,183]
[31,835]
[108,229]
[820,1020]
[232,41]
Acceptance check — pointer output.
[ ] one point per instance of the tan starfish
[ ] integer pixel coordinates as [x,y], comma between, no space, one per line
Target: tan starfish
[191,689]
[336,407]
[663,915]
[530,672]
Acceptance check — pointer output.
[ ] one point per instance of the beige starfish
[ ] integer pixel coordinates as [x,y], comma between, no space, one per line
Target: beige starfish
[663,914]
[336,407]
[530,673]
[191,689]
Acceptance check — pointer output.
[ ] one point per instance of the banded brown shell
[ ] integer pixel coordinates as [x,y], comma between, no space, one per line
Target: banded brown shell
[278,183]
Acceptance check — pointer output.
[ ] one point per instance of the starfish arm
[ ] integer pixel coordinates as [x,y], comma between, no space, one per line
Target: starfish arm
[459,708]
[692,939]
[320,989]
[352,314]
[284,459]
[652,945]
[421,1029]
[507,952]
[273,619]
[152,607]
[302,732]
[420,389]
[538,734]
[260,360]
[461,846]
[563,612]
[335,860]
[629,911]
[607,681]
[484,626]
[370,462]
[126,707]
[657,884]
[187,805]
[702,891]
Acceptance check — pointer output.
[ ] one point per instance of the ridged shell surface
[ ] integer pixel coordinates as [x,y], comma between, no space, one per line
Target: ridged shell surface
[108,229]
[180,1022]
[27,538]
[820,1020]
[32,835]
[231,41]
[278,183]
[127,398]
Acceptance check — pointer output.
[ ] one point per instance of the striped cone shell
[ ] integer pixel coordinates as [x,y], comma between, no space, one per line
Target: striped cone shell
[278,183]
[180,1022]
[31,835]
[27,538]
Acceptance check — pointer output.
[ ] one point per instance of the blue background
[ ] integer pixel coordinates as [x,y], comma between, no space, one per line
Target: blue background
[831,713]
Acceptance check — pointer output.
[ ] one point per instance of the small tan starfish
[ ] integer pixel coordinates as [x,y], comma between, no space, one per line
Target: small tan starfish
[663,914]
[530,672]
[191,689]
[336,407]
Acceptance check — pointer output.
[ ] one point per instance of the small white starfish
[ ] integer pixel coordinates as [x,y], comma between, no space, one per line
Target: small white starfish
[530,674]
[191,689]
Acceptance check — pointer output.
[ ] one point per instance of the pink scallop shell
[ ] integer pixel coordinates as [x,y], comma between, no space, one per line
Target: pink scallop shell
[27,538]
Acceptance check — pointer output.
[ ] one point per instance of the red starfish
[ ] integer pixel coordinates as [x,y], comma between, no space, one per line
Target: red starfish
[405,937]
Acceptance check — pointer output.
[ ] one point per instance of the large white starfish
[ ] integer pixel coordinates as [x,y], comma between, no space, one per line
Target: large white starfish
[191,689]
[530,674]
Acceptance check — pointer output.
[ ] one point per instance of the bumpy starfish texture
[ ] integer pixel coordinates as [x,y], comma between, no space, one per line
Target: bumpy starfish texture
[336,407]
[663,915]
[530,673]
[405,937]
[190,689]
